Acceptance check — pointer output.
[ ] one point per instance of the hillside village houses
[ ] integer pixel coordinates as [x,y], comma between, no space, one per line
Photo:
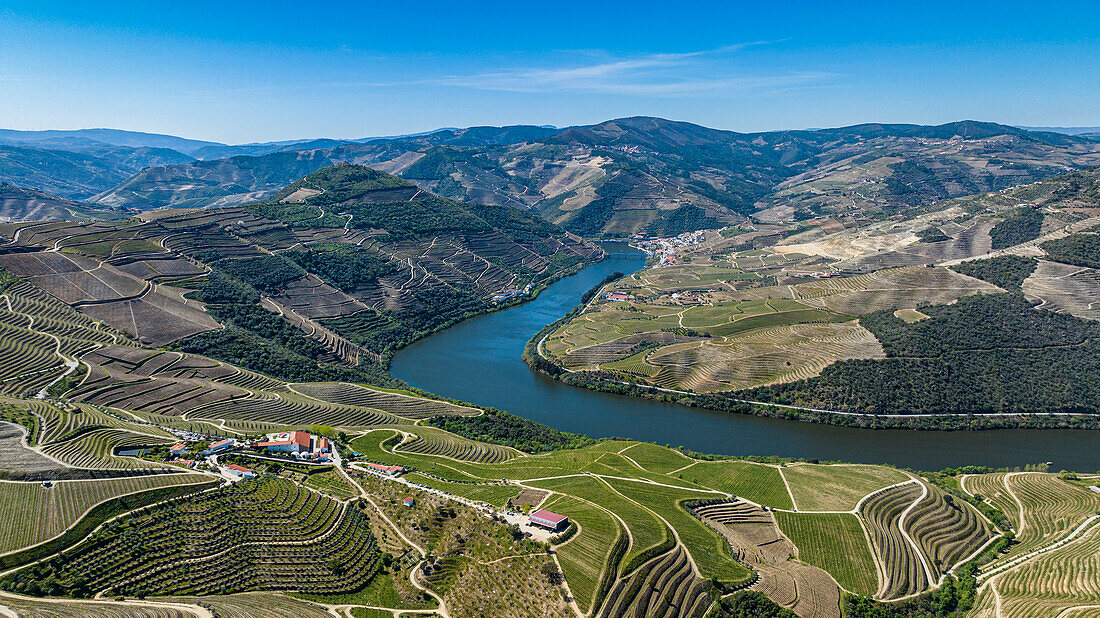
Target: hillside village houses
[665,248]
[300,444]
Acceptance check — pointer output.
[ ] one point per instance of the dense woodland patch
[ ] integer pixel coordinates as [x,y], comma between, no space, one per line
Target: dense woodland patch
[983,355]
[499,427]
[1007,271]
[1020,226]
[1076,249]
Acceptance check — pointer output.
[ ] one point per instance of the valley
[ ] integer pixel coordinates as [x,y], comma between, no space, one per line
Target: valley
[164,366]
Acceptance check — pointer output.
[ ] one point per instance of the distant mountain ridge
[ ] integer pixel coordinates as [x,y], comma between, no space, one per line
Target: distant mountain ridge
[18,204]
[645,174]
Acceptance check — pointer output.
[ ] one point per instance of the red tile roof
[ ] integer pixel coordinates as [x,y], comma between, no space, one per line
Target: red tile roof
[547,516]
[301,438]
[387,469]
[238,468]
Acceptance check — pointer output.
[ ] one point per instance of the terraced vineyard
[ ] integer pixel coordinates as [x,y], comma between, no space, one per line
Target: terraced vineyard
[678,334]
[835,543]
[584,558]
[946,529]
[394,403]
[906,573]
[298,411]
[1043,507]
[1051,584]
[34,513]
[96,448]
[267,534]
[757,482]
[248,604]
[56,608]
[837,488]
[442,444]
[757,542]
[665,586]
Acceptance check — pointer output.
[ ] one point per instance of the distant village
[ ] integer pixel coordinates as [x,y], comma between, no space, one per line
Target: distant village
[664,249]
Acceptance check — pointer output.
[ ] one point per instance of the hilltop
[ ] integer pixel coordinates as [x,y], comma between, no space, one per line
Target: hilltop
[655,176]
[358,261]
[18,204]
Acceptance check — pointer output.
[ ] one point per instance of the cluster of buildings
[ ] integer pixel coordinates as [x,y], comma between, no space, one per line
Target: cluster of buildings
[507,294]
[665,248]
[817,274]
[299,444]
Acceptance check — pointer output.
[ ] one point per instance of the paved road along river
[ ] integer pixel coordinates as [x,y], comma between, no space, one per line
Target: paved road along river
[479,361]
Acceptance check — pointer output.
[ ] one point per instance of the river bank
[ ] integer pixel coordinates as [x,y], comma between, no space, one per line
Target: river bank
[479,361]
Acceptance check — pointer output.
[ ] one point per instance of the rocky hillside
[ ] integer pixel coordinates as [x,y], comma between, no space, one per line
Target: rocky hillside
[18,204]
[655,176]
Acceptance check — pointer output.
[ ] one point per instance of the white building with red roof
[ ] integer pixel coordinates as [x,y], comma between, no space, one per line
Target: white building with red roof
[287,442]
[240,471]
[548,520]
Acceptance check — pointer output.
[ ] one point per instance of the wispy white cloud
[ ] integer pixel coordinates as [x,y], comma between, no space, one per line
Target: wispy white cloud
[661,74]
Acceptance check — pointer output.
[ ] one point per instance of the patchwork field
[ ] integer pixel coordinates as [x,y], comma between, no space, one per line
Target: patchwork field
[724,338]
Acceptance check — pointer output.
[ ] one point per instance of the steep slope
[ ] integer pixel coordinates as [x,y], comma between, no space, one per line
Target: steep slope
[358,261]
[18,204]
[78,169]
[657,176]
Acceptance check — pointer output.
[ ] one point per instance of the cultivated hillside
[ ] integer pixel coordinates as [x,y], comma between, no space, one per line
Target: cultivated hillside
[359,261]
[78,169]
[657,176]
[18,204]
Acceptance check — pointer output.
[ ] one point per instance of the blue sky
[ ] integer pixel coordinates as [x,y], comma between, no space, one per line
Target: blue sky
[245,71]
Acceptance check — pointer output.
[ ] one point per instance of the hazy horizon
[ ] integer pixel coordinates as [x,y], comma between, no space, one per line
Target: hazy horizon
[275,71]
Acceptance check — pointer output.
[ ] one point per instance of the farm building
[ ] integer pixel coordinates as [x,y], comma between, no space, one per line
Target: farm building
[390,470]
[548,520]
[617,296]
[240,471]
[409,502]
[323,446]
[287,442]
[178,449]
[218,447]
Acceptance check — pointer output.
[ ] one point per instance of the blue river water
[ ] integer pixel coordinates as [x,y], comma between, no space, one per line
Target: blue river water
[479,361]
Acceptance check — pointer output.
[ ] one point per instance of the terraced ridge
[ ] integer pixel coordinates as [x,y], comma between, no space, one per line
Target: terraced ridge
[1044,507]
[394,403]
[443,444]
[96,448]
[902,566]
[264,534]
[1051,583]
[282,410]
[946,529]
[665,586]
[25,607]
[757,541]
[34,513]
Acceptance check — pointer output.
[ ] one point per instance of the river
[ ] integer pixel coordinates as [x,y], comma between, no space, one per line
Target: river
[479,361]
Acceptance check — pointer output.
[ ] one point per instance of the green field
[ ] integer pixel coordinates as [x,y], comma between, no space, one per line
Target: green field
[834,542]
[759,483]
[837,488]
